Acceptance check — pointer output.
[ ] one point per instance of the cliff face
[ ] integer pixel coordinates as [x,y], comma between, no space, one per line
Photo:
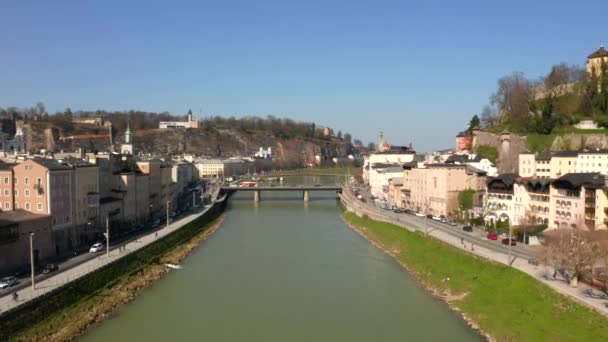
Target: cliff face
[579,141]
[508,146]
[210,142]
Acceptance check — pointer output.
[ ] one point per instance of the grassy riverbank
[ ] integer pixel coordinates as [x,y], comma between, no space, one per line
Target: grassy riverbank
[76,319]
[505,303]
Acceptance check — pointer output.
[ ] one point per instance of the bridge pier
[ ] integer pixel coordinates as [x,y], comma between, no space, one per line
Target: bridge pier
[306,196]
[257,196]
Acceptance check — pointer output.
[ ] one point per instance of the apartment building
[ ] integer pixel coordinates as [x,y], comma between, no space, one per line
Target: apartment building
[435,188]
[15,229]
[499,203]
[574,201]
[593,161]
[379,177]
[531,201]
[86,199]
[46,187]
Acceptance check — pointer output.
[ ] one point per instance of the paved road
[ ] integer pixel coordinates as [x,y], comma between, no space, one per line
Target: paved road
[477,237]
[487,251]
[97,260]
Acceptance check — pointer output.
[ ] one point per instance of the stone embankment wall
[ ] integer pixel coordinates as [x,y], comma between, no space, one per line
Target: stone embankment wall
[35,310]
[579,141]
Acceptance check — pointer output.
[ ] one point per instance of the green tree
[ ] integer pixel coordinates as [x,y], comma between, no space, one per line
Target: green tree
[474,123]
[465,199]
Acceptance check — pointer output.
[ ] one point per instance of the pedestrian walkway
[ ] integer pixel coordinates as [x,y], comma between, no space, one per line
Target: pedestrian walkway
[54,282]
[540,272]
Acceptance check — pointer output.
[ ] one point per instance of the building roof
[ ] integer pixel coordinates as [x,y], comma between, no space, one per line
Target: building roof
[508,179]
[479,172]
[595,151]
[601,52]
[76,162]
[566,154]
[577,180]
[6,166]
[384,165]
[464,158]
[51,164]
[18,215]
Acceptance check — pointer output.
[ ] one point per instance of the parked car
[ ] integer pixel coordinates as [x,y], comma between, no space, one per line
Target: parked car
[452,223]
[436,218]
[398,211]
[411,212]
[4,287]
[492,236]
[467,229]
[8,281]
[50,268]
[98,247]
[506,241]
[419,214]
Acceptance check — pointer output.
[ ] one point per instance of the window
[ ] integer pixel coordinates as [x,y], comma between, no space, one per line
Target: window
[26,180]
[16,193]
[39,206]
[27,206]
[15,180]
[7,192]
[7,205]
[5,180]
[27,192]
[16,205]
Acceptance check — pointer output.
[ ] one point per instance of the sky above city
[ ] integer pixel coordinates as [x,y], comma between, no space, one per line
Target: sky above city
[416,70]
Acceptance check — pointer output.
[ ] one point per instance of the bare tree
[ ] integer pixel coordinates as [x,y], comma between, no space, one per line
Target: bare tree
[489,116]
[513,98]
[570,252]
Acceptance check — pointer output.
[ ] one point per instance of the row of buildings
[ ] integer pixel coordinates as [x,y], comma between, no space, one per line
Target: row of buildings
[565,189]
[66,198]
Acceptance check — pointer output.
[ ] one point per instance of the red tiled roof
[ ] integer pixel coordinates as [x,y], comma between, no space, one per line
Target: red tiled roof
[601,52]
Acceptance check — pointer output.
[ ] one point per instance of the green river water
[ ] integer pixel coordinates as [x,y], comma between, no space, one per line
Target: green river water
[285,271]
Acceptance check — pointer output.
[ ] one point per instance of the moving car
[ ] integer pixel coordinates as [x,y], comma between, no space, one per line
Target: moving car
[492,236]
[8,282]
[467,229]
[452,223]
[506,241]
[50,268]
[3,287]
[98,247]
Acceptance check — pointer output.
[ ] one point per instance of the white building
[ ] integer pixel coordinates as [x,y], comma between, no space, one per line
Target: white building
[218,168]
[475,160]
[592,161]
[379,177]
[499,203]
[264,154]
[191,123]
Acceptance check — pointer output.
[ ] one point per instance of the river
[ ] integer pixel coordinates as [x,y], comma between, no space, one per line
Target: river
[285,271]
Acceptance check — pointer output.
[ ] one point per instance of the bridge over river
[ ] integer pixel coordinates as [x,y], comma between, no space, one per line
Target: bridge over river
[306,189]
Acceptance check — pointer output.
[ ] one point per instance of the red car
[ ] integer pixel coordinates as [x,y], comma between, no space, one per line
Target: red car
[506,242]
[492,236]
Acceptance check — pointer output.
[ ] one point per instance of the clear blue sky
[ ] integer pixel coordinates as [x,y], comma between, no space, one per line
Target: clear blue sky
[416,70]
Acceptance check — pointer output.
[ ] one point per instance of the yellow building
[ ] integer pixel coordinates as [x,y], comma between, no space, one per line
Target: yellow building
[594,60]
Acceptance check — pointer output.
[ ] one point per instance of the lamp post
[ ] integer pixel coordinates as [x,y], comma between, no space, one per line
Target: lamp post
[193,199]
[509,249]
[32,260]
[168,202]
[107,235]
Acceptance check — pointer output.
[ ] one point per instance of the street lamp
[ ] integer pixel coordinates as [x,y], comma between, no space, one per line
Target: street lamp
[107,235]
[193,199]
[168,202]
[32,260]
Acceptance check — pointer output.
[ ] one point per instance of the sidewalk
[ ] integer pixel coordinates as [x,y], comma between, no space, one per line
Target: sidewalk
[538,272]
[49,284]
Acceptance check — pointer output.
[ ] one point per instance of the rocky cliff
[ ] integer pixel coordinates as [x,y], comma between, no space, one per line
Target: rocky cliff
[206,141]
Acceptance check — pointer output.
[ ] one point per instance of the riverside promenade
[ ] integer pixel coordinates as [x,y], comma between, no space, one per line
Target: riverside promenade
[116,252]
[540,272]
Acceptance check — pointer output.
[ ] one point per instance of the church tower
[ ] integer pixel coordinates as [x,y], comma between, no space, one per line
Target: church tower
[127,147]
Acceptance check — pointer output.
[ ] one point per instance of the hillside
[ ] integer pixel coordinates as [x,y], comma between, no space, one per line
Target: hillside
[291,149]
